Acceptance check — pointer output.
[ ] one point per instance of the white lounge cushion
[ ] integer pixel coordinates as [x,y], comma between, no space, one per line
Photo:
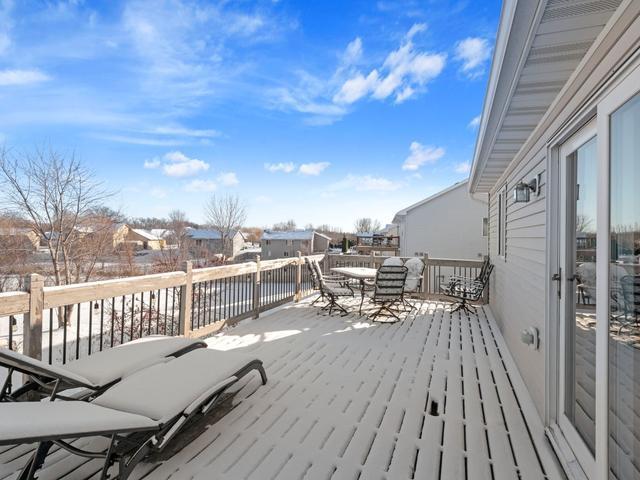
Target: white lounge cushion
[111,364]
[163,391]
[393,262]
[33,421]
[25,363]
[415,268]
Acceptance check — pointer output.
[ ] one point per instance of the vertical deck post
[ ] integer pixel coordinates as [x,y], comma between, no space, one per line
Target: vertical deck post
[186,292]
[32,326]
[485,294]
[299,277]
[427,276]
[256,289]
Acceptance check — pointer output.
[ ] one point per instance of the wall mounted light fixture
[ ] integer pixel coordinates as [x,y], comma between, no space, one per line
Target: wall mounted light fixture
[522,191]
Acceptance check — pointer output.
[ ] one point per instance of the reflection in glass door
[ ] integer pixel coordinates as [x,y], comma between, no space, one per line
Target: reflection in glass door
[577,404]
[624,292]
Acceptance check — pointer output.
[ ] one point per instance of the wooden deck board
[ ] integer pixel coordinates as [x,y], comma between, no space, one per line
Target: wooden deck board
[348,399]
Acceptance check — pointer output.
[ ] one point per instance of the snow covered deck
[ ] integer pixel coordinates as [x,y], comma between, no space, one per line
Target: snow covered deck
[426,398]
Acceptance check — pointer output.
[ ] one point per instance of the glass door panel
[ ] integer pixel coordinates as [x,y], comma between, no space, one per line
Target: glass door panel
[580,324]
[624,292]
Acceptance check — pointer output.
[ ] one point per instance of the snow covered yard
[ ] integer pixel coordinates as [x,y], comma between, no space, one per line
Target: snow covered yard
[428,397]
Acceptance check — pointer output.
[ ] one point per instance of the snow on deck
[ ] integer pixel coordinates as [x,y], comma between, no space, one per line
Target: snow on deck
[425,398]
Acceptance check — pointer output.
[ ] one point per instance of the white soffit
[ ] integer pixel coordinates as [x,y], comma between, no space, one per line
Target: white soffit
[539,46]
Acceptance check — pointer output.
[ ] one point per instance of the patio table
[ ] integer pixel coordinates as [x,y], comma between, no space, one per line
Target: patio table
[358,273]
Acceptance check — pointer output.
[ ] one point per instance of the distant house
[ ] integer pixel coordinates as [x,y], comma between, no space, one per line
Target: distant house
[449,224]
[288,244]
[26,238]
[210,240]
[136,237]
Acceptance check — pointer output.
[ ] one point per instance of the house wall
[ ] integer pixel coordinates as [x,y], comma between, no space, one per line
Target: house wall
[431,228]
[520,287]
[517,285]
[280,248]
[320,244]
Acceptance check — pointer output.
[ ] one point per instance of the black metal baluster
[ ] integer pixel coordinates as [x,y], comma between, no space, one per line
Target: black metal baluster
[122,322]
[78,333]
[113,314]
[210,301]
[193,297]
[133,302]
[173,309]
[166,303]
[141,313]
[64,335]
[11,320]
[101,322]
[90,326]
[50,336]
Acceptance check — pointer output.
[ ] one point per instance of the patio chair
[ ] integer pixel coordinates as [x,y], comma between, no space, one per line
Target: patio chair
[316,274]
[461,279]
[464,292]
[332,288]
[413,283]
[139,416]
[388,291]
[393,262]
[92,374]
[630,286]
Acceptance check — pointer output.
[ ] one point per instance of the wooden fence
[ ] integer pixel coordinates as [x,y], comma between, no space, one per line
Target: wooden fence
[61,323]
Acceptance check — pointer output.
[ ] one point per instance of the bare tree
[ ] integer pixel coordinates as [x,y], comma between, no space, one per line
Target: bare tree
[287,226]
[227,214]
[56,193]
[177,236]
[367,225]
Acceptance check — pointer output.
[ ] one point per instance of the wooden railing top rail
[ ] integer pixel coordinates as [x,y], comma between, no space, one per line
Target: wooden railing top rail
[449,262]
[13,303]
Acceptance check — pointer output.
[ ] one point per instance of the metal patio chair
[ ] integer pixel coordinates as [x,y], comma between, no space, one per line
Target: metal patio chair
[332,288]
[413,283]
[467,291]
[388,291]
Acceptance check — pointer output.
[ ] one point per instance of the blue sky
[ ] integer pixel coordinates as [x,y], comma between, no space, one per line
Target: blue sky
[317,111]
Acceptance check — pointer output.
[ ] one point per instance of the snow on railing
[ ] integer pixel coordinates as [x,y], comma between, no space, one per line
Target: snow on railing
[62,323]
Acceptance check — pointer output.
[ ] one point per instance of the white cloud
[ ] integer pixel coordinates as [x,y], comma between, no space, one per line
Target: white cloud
[420,154]
[353,52]
[287,167]
[21,77]
[475,121]
[184,132]
[228,179]
[313,168]
[177,164]
[357,87]
[463,167]
[263,199]
[201,186]
[153,163]
[155,142]
[473,52]
[404,71]
[365,183]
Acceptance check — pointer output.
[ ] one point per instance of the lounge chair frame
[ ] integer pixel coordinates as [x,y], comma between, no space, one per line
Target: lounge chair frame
[469,291]
[388,291]
[127,448]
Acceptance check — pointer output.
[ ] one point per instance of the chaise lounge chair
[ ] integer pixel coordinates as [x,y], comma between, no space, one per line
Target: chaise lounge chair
[139,415]
[92,374]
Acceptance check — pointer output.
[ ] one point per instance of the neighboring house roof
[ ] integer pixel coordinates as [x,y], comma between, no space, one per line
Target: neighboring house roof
[161,232]
[291,235]
[365,234]
[404,211]
[146,234]
[208,234]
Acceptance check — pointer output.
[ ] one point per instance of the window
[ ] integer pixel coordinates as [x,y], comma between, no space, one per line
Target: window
[485,227]
[286,254]
[267,242]
[502,221]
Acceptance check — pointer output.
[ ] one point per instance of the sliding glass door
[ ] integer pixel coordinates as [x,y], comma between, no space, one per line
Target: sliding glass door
[624,291]
[577,274]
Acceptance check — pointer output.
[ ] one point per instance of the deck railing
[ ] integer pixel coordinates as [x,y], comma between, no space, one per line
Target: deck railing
[437,272]
[59,324]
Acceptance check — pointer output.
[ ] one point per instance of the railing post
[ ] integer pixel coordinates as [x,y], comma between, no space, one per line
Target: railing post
[256,289]
[299,277]
[186,292]
[485,295]
[32,326]
[427,276]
